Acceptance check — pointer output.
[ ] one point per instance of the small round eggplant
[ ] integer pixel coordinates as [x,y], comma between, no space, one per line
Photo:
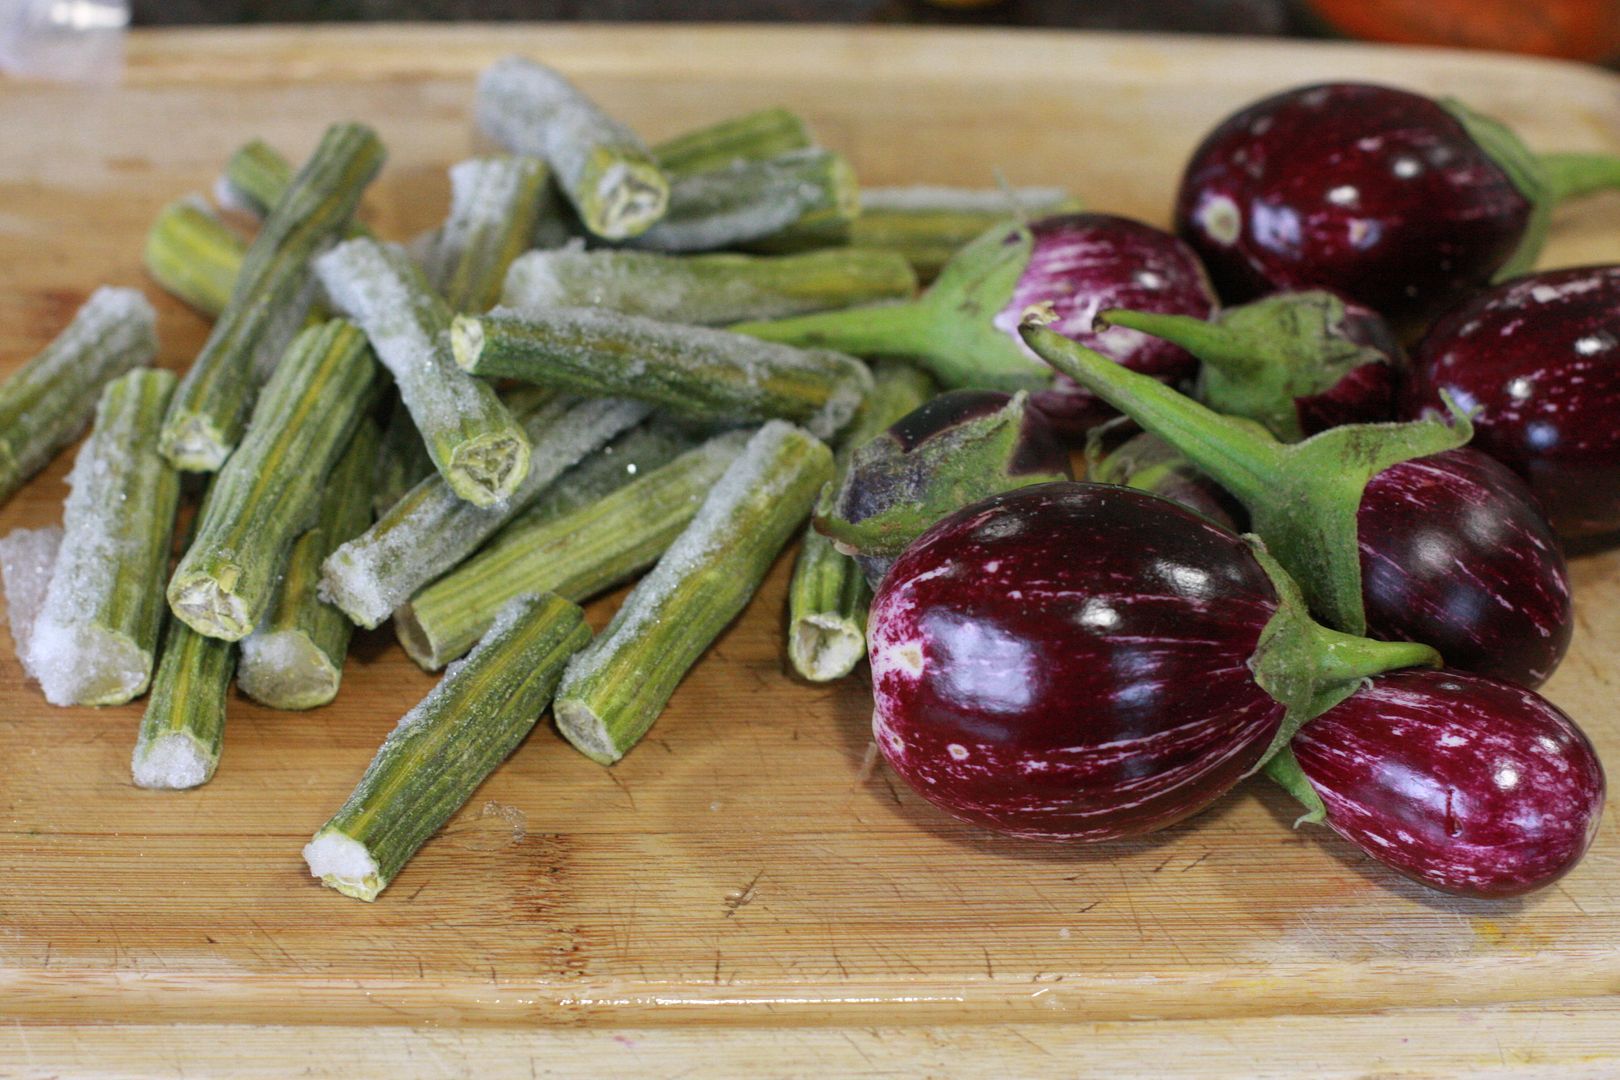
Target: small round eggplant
[1465,784]
[964,328]
[1389,529]
[1086,662]
[953,449]
[1537,363]
[1398,201]
[1298,362]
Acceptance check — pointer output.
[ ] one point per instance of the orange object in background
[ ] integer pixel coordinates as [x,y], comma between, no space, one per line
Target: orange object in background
[1573,29]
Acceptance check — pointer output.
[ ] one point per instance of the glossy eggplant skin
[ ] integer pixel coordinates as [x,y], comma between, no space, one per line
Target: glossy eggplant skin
[1377,193]
[1068,662]
[1086,263]
[1456,554]
[1539,359]
[1465,784]
[1367,394]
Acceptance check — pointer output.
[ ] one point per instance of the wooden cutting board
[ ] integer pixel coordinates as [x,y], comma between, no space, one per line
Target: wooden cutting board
[741,866]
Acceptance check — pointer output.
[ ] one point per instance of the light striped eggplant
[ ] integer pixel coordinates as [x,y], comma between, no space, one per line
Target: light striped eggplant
[1465,784]
[1537,360]
[964,328]
[1088,662]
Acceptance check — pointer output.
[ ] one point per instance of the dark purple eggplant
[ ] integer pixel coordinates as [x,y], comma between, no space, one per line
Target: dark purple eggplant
[1537,363]
[1465,784]
[954,449]
[1298,362]
[1398,201]
[1148,463]
[1086,662]
[964,327]
[1388,528]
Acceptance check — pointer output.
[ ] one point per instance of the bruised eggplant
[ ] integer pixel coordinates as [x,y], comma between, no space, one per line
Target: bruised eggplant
[1086,662]
[954,449]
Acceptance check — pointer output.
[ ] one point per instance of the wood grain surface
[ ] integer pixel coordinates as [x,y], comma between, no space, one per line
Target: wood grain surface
[743,865]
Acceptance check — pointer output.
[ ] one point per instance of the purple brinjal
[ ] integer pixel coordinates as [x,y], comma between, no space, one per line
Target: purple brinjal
[964,328]
[1076,661]
[1398,201]
[1390,529]
[1462,783]
[1537,363]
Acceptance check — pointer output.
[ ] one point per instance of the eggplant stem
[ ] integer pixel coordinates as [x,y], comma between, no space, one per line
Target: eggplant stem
[1346,657]
[1213,344]
[1245,460]
[1571,175]
[870,330]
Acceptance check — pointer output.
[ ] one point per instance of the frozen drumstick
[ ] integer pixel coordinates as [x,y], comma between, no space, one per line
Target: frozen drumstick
[603,167]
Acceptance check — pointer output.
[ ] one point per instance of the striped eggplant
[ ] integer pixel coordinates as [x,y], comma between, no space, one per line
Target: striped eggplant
[1085,264]
[1404,203]
[964,328]
[1537,362]
[1390,529]
[1085,662]
[1296,362]
[1465,784]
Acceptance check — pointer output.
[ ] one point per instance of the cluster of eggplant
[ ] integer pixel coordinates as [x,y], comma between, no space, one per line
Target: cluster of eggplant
[1305,549]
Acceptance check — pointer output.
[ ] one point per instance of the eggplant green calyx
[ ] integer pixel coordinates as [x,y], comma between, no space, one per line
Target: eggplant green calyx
[1544,180]
[1309,668]
[1302,497]
[949,329]
[1258,358]
[892,492]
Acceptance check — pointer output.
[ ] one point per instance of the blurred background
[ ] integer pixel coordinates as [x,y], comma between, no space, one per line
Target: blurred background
[1580,29]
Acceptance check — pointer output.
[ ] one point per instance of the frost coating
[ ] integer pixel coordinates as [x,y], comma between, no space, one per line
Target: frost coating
[752,200]
[494,206]
[344,864]
[284,667]
[706,290]
[173,762]
[47,403]
[96,633]
[442,749]
[924,198]
[693,371]
[474,442]
[430,530]
[602,166]
[27,557]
